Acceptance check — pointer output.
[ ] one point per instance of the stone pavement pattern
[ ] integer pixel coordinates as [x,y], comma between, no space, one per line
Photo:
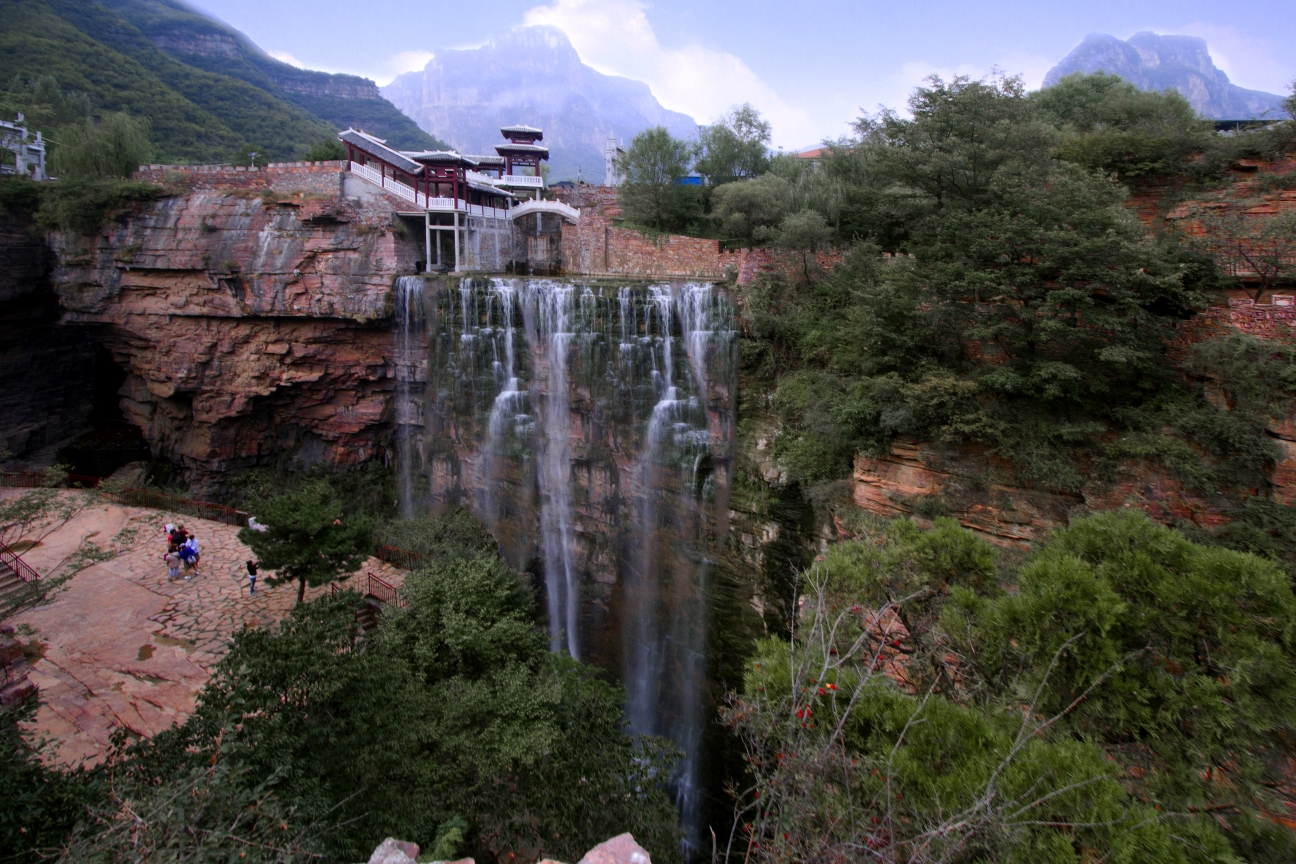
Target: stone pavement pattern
[123,648]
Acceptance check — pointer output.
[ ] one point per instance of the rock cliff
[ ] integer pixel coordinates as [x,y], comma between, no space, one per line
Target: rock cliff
[1154,62]
[251,322]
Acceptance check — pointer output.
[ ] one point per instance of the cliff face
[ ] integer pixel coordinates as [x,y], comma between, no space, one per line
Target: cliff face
[251,322]
[531,75]
[1154,62]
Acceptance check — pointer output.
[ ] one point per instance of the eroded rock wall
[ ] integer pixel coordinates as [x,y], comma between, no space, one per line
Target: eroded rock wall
[252,323]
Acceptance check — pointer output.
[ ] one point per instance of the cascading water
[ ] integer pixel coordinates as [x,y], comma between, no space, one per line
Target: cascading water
[597,448]
[411,355]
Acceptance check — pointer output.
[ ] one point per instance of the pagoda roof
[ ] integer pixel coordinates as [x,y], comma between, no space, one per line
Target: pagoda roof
[488,161]
[441,156]
[377,148]
[521,130]
[522,150]
[491,190]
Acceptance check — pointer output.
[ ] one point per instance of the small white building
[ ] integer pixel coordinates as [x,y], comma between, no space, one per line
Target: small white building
[29,152]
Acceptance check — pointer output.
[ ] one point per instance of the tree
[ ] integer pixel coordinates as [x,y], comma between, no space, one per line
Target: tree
[751,208]
[735,147]
[306,541]
[1178,660]
[325,150]
[113,147]
[855,755]
[804,232]
[1255,249]
[649,193]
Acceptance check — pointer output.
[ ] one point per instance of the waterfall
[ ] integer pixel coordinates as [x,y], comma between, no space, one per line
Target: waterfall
[407,411]
[590,425]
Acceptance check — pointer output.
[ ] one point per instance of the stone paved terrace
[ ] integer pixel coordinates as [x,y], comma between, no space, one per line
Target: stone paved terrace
[125,649]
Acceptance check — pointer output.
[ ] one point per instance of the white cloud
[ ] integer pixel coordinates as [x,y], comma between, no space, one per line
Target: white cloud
[285,57]
[616,38]
[1250,60]
[381,72]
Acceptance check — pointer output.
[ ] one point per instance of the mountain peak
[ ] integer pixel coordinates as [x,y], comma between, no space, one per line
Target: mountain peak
[531,75]
[1153,61]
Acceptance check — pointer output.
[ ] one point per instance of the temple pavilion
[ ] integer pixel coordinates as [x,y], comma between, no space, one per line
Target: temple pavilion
[445,186]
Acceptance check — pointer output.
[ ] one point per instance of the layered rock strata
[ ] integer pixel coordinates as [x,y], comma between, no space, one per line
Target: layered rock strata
[252,323]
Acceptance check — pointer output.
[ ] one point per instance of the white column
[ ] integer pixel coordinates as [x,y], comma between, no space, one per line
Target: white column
[427,242]
[456,236]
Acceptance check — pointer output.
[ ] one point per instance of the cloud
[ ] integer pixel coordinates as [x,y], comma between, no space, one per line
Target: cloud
[285,57]
[616,38]
[1250,60]
[381,72]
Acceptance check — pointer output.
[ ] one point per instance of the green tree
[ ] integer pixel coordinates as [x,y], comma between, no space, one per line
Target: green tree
[325,150]
[306,540]
[804,232]
[750,209]
[1178,660]
[1109,123]
[854,753]
[649,193]
[112,148]
[735,147]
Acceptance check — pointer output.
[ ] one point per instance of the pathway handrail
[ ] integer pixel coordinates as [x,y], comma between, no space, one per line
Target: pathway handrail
[20,567]
[38,480]
[384,591]
[402,558]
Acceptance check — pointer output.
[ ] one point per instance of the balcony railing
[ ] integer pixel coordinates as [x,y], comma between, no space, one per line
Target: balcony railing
[422,201]
[522,180]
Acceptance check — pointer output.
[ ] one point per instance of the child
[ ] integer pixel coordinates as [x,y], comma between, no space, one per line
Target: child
[252,574]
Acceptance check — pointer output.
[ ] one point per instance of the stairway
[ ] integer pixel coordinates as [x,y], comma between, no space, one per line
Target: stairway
[367,615]
[9,582]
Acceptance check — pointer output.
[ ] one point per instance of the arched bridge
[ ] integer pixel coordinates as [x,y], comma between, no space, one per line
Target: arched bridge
[557,208]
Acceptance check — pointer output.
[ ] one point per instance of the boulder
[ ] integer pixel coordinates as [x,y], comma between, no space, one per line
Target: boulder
[621,849]
[393,851]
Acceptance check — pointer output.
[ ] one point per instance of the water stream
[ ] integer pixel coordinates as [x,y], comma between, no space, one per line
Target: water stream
[591,426]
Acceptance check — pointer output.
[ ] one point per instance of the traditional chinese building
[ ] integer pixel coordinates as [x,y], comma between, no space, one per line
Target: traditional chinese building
[459,194]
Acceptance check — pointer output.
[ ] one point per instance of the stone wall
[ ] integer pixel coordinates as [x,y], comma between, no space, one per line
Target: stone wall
[597,246]
[316,178]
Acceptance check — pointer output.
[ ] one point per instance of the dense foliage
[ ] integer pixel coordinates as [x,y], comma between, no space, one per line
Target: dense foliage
[451,725]
[1130,699]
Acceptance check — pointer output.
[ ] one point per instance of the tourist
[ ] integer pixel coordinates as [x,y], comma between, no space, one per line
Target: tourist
[252,574]
[173,564]
[189,553]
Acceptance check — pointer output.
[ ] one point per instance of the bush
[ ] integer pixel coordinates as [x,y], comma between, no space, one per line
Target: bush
[113,147]
[327,150]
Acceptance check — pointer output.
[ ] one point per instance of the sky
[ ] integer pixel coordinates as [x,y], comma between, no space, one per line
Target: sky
[810,67]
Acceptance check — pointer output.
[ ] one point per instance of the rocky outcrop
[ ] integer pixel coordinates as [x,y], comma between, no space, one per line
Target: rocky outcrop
[252,323]
[531,75]
[1154,62]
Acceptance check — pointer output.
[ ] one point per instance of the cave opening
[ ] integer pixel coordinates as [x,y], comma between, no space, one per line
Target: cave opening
[109,441]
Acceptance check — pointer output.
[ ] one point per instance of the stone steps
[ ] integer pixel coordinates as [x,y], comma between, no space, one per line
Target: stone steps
[9,581]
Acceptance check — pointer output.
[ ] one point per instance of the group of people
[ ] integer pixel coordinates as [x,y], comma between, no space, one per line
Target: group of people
[182,548]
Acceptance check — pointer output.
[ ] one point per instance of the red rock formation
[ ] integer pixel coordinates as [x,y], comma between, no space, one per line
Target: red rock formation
[251,321]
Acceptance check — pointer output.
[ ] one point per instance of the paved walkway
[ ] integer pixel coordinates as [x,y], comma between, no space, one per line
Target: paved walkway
[123,648]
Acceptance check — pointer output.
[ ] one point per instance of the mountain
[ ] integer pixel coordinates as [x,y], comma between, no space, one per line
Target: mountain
[1154,62]
[532,76]
[208,92]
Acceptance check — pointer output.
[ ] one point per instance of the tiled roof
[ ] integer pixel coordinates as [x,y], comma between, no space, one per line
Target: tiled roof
[521,148]
[441,156]
[525,130]
[377,148]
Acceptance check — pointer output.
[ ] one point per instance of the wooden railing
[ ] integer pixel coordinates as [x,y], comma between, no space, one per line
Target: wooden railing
[402,558]
[135,497]
[18,565]
[201,509]
[38,480]
[384,591]
[376,587]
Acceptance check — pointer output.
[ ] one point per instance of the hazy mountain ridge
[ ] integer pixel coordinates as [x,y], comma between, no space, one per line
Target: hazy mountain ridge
[531,75]
[1154,62]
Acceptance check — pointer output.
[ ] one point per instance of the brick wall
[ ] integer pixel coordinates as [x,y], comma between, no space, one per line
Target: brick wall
[595,246]
[319,178]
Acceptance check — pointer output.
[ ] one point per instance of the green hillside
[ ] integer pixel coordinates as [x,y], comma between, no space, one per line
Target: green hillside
[205,43]
[197,112]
